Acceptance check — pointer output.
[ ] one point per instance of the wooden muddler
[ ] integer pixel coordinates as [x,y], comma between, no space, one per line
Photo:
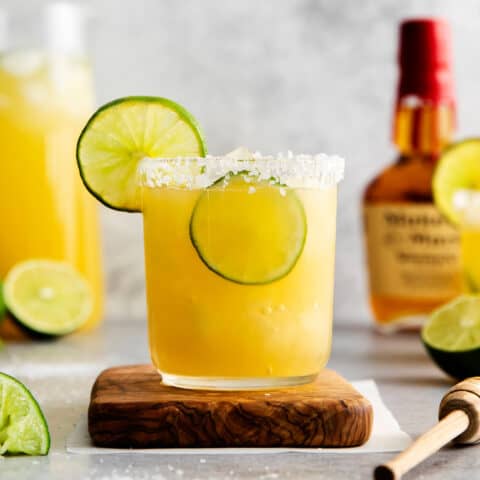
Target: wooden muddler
[459,416]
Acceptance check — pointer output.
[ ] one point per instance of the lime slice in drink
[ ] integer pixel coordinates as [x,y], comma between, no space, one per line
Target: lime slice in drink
[247,231]
[124,131]
[452,337]
[47,297]
[23,428]
[458,169]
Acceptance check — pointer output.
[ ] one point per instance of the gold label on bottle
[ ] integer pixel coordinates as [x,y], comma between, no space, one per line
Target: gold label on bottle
[412,252]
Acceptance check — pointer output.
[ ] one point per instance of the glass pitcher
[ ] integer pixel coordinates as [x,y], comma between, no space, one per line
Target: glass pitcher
[46,96]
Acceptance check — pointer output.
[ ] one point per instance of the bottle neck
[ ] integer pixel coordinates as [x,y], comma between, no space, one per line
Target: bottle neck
[423,128]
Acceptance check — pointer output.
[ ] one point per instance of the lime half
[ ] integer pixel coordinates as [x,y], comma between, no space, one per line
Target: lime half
[452,336]
[458,169]
[247,231]
[124,131]
[47,297]
[23,428]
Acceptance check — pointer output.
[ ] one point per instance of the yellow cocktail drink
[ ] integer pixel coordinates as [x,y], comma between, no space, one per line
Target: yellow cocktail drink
[239,259]
[45,211]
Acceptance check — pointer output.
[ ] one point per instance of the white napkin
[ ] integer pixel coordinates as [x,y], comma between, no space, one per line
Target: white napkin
[386,436]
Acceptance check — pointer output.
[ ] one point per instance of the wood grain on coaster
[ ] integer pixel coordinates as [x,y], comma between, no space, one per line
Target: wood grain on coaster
[130,407]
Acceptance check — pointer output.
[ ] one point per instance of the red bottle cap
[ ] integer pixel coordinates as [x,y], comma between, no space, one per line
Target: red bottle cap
[425,60]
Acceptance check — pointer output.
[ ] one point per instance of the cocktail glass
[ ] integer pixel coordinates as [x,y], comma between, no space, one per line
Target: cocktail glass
[239,256]
[46,97]
[467,203]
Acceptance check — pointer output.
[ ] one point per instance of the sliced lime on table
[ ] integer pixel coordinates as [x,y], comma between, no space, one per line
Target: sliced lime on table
[121,133]
[23,428]
[452,337]
[47,297]
[458,169]
[248,232]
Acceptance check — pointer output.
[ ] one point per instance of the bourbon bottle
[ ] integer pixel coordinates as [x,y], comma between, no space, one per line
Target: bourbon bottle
[413,253]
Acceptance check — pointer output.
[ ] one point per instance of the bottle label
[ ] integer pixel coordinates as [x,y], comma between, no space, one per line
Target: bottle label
[412,252]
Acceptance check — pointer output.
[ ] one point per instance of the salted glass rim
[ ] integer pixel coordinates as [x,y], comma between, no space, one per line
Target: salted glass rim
[292,170]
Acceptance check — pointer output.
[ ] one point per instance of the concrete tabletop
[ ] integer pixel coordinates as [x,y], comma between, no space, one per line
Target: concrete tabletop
[61,374]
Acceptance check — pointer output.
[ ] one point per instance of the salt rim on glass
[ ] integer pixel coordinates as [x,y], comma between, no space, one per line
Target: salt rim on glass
[290,170]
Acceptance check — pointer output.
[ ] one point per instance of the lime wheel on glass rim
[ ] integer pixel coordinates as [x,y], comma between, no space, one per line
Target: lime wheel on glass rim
[123,132]
[23,427]
[47,298]
[452,337]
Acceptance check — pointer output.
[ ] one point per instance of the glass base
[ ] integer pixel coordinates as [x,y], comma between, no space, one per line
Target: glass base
[234,383]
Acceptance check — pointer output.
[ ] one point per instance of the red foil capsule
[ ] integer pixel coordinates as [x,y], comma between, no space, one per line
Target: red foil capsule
[425,61]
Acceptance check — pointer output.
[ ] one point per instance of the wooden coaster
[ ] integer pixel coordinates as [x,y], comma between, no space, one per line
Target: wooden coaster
[130,407]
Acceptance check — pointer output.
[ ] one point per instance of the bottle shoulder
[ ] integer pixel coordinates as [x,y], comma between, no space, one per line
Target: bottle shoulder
[407,179]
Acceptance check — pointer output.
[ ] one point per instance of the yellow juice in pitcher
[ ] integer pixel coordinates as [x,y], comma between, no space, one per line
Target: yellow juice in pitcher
[45,211]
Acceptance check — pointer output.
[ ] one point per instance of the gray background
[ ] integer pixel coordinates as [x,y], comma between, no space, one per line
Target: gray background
[305,75]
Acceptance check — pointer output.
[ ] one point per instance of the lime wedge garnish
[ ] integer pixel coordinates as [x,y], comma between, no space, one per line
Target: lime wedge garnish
[23,428]
[247,231]
[47,297]
[458,169]
[124,131]
[452,336]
